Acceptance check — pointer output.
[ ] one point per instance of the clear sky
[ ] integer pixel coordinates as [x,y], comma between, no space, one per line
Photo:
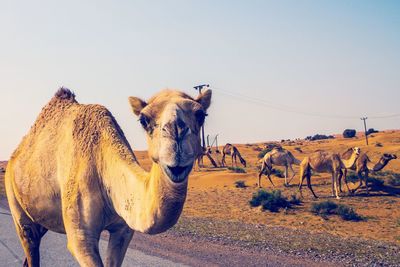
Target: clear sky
[286,60]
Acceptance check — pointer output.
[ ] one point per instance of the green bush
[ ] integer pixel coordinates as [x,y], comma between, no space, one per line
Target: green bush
[240,184]
[294,200]
[347,213]
[327,208]
[270,200]
[278,173]
[324,208]
[237,169]
[375,182]
[395,180]
[351,176]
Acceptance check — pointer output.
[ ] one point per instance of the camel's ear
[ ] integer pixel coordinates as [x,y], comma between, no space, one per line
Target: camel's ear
[205,99]
[137,104]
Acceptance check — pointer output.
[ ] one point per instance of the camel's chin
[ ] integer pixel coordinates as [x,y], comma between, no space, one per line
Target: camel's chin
[177,174]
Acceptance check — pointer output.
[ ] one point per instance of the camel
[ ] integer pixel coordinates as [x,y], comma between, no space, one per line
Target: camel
[207,152]
[75,173]
[279,157]
[364,165]
[322,161]
[232,151]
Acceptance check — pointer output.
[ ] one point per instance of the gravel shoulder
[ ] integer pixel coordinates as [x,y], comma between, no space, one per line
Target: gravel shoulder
[194,241]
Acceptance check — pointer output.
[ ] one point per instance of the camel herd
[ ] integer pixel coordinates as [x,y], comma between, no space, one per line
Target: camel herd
[320,161]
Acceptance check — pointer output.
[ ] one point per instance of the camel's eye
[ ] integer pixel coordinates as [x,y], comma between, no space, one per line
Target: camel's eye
[200,116]
[144,121]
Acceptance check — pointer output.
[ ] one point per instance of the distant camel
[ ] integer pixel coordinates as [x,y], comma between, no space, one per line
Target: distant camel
[207,152]
[231,150]
[279,157]
[364,165]
[322,161]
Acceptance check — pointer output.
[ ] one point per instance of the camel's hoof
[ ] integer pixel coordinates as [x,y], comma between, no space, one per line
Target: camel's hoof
[338,198]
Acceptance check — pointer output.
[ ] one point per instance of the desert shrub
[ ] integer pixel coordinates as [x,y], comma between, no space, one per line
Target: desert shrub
[347,213]
[326,208]
[257,148]
[375,182]
[240,184]
[277,173]
[270,200]
[237,169]
[294,200]
[378,144]
[298,149]
[319,137]
[394,179]
[351,177]
[371,131]
[349,133]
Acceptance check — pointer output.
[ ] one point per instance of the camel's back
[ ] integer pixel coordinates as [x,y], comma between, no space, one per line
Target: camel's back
[66,137]
[322,161]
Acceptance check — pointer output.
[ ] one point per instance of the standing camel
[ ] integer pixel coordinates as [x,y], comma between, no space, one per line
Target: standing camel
[75,173]
[232,151]
[322,161]
[279,157]
[364,165]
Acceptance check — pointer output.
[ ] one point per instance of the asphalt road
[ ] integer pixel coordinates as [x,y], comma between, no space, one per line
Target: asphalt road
[54,252]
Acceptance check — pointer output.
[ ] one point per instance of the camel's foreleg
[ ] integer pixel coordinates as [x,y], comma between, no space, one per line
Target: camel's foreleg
[293,173]
[120,237]
[286,174]
[29,233]
[338,176]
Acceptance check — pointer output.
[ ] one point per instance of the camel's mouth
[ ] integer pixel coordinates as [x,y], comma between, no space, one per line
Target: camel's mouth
[178,173]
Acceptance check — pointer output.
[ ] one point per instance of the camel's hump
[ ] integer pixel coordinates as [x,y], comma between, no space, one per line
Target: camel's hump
[64,93]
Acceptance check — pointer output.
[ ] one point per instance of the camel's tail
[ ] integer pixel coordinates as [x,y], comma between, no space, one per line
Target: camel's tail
[295,161]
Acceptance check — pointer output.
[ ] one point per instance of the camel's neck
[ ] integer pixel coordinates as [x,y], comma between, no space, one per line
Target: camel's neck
[296,161]
[348,163]
[148,202]
[378,166]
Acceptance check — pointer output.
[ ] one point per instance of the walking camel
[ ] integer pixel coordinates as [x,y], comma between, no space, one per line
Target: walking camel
[364,165]
[232,151]
[279,157]
[75,173]
[322,161]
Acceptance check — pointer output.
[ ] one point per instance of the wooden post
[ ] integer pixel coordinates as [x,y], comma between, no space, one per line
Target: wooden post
[365,129]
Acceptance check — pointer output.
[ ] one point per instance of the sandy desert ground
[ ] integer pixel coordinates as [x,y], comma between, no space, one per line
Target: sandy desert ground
[212,192]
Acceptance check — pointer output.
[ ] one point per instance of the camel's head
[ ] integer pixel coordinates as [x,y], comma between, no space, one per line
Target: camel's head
[172,121]
[356,151]
[389,157]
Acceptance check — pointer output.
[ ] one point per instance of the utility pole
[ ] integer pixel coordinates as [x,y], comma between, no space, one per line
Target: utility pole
[365,128]
[199,88]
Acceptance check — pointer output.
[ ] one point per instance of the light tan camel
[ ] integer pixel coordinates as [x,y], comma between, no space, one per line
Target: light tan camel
[322,161]
[232,151]
[278,157]
[364,165]
[75,173]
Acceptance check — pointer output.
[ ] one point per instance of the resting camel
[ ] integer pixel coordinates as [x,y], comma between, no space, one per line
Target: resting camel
[279,157]
[322,161]
[75,173]
[364,165]
[232,151]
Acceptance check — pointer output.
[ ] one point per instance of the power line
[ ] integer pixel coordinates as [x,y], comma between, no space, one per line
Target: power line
[284,108]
